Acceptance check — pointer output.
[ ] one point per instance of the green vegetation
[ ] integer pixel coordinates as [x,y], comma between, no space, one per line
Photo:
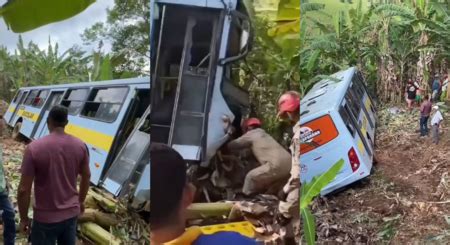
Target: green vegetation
[390,42]
[127,26]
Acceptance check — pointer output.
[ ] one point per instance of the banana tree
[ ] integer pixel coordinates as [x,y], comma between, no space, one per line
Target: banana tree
[308,192]
[25,15]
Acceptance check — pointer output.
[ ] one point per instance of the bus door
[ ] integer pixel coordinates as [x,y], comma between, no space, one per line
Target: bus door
[21,98]
[128,162]
[196,80]
[41,129]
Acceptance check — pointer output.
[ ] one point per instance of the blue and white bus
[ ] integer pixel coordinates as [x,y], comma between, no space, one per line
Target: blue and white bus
[338,121]
[104,115]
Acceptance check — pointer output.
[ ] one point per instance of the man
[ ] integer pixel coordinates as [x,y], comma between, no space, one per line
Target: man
[274,159]
[425,110]
[435,88]
[435,124]
[53,164]
[9,232]
[172,194]
[289,110]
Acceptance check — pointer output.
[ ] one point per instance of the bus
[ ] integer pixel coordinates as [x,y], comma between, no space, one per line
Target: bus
[337,121]
[106,115]
[194,44]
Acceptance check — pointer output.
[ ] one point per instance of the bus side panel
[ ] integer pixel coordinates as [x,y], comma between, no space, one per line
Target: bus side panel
[30,116]
[9,112]
[98,136]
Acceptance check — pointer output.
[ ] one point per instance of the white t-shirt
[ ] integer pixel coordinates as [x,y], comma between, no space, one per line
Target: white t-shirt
[437,118]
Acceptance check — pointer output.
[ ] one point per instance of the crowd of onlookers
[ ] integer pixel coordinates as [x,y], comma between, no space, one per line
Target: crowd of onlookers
[413,94]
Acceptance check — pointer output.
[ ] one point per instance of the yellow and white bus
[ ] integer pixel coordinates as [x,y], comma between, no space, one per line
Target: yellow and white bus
[338,121]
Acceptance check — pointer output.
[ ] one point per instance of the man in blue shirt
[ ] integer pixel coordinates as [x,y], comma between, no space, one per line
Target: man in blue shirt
[9,232]
[435,88]
[171,194]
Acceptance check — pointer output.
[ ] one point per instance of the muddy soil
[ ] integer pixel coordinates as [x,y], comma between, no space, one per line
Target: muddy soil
[407,198]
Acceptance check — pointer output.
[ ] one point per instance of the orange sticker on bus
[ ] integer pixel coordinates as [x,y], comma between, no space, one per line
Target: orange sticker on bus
[316,133]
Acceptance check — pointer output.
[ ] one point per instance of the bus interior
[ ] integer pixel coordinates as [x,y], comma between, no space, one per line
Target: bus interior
[183,74]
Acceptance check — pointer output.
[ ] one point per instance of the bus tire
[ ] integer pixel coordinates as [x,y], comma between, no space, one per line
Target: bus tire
[16,132]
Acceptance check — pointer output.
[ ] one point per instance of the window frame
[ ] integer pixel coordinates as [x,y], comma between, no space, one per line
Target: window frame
[17,96]
[67,94]
[105,87]
[37,96]
[29,97]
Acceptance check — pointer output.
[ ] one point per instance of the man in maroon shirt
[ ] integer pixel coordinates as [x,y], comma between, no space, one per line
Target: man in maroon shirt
[53,163]
[425,110]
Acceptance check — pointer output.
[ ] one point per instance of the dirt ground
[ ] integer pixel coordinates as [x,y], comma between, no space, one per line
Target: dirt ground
[407,198]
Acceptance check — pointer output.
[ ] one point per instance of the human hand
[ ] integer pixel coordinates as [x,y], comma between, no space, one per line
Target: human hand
[25,226]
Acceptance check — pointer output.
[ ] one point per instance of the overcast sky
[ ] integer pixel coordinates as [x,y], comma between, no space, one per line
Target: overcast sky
[66,33]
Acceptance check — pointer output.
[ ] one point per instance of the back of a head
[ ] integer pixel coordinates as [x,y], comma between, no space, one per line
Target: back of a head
[168,180]
[58,115]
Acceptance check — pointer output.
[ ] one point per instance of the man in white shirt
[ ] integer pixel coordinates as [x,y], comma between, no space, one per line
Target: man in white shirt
[435,122]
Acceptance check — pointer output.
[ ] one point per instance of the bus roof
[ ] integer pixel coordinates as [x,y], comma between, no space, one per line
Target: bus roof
[136,80]
[202,3]
[324,96]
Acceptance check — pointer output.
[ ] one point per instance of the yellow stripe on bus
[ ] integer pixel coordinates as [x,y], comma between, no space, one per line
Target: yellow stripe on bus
[11,109]
[96,139]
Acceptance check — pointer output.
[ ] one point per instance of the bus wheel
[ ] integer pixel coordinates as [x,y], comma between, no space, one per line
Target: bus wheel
[16,132]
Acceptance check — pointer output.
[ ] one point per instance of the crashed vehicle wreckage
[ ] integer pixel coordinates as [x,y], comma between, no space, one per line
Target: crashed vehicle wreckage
[194,97]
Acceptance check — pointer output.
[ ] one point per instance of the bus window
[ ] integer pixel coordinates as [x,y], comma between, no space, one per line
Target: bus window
[18,95]
[348,122]
[31,97]
[75,99]
[354,104]
[104,104]
[357,127]
[40,98]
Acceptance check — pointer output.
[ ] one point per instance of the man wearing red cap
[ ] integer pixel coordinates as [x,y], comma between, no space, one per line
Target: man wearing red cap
[289,110]
[274,159]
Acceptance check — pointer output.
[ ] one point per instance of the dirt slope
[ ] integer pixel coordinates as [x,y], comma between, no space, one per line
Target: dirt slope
[405,201]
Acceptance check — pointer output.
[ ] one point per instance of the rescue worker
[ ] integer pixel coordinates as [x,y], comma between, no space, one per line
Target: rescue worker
[172,193]
[274,159]
[289,110]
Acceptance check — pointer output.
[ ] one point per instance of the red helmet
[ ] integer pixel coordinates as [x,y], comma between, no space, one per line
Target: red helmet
[252,122]
[288,102]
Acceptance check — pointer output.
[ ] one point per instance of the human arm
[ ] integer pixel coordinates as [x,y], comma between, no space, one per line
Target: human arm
[244,141]
[24,189]
[85,174]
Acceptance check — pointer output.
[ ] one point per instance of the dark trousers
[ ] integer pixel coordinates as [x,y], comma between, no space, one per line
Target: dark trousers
[64,232]
[9,232]
[424,125]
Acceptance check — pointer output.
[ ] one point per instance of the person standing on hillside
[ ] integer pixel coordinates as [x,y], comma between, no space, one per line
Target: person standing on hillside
[435,124]
[411,92]
[288,208]
[9,231]
[53,163]
[425,110]
[436,88]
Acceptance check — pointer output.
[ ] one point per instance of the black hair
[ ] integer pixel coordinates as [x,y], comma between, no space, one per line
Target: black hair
[168,180]
[58,115]
[426,97]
